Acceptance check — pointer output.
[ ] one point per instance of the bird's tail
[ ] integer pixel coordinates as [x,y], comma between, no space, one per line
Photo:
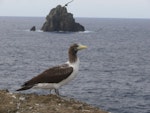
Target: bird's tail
[24,88]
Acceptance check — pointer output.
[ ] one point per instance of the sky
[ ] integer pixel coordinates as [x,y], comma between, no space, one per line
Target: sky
[79,8]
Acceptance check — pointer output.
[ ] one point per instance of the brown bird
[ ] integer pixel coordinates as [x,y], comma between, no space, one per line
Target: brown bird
[57,76]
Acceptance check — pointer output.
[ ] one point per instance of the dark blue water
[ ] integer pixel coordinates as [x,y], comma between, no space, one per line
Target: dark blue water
[115,69]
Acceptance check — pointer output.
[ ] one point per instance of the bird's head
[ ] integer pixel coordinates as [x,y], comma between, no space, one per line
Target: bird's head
[76,47]
[73,51]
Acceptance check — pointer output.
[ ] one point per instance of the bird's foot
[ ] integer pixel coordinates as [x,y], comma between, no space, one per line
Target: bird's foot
[58,94]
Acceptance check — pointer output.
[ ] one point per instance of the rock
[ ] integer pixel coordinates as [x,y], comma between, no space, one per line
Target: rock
[60,20]
[33,103]
[33,28]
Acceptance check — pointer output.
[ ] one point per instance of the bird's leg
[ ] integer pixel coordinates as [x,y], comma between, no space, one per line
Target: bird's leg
[61,96]
[57,92]
[50,91]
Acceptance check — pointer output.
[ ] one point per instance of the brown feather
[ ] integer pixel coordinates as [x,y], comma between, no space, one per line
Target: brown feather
[52,75]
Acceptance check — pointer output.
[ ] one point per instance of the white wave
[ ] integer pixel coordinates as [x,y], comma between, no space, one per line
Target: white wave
[86,31]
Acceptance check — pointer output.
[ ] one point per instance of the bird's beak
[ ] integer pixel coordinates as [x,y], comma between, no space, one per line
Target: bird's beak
[81,47]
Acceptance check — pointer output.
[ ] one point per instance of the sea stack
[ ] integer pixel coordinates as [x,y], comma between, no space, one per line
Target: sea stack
[60,20]
[33,28]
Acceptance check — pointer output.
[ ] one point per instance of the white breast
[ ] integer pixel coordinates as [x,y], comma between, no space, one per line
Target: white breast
[73,74]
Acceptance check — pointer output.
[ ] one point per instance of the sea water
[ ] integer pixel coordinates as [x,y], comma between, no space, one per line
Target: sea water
[114,71]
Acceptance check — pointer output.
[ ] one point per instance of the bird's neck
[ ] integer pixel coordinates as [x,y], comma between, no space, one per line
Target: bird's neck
[72,57]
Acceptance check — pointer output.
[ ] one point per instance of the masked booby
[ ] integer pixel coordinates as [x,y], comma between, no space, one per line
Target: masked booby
[55,77]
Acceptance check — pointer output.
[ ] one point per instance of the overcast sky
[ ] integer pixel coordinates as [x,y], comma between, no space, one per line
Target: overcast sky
[80,8]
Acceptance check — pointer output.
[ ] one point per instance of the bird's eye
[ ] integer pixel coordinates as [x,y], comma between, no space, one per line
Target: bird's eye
[75,49]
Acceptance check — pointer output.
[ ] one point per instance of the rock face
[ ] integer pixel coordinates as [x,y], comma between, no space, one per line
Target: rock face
[60,20]
[33,28]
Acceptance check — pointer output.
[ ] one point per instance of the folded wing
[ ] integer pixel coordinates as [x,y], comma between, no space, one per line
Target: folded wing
[52,75]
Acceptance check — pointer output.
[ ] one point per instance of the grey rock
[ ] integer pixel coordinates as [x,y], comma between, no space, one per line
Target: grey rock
[60,20]
[33,28]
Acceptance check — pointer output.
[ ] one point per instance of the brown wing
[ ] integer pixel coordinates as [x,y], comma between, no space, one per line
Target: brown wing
[52,75]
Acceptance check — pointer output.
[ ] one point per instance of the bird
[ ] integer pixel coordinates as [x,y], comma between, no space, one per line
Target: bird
[57,76]
[68,3]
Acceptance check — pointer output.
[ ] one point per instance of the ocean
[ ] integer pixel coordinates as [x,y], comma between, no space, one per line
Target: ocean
[114,71]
